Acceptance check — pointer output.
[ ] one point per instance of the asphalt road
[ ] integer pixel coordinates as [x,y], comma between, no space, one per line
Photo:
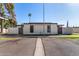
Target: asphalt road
[61,47]
[48,46]
[21,47]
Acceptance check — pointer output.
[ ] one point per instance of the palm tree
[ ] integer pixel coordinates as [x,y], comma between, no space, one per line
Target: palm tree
[29,15]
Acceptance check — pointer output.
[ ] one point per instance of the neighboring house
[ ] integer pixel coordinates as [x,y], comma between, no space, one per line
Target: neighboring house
[4,30]
[60,29]
[67,30]
[39,29]
[75,29]
[15,30]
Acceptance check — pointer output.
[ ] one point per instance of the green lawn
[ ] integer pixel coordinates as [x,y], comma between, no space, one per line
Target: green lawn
[7,38]
[73,36]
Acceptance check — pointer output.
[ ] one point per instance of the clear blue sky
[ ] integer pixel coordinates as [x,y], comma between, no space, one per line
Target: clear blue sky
[55,13]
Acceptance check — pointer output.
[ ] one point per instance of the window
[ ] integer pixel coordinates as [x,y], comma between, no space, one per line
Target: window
[48,28]
[31,28]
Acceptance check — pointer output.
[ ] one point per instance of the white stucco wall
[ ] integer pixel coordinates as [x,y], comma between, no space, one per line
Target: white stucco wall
[4,30]
[67,30]
[38,29]
[13,30]
[54,29]
[26,29]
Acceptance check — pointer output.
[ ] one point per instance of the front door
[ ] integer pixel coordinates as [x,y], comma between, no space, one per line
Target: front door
[59,30]
[31,29]
[20,31]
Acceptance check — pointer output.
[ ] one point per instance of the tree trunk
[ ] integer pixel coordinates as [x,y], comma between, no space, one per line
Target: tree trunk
[1,25]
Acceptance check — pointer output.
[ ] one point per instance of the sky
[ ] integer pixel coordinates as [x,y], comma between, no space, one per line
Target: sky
[54,12]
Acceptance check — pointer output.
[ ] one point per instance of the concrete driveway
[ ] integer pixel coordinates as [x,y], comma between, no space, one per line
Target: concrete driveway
[61,47]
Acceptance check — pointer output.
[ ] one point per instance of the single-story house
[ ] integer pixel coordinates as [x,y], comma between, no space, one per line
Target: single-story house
[39,29]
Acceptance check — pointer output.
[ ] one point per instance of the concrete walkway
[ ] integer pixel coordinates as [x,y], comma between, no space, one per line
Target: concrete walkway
[39,51]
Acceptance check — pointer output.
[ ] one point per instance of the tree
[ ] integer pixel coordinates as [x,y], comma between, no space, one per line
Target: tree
[2,14]
[29,15]
[10,9]
[11,18]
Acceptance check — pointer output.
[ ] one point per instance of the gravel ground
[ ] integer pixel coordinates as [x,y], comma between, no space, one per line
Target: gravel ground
[21,47]
[60,47]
